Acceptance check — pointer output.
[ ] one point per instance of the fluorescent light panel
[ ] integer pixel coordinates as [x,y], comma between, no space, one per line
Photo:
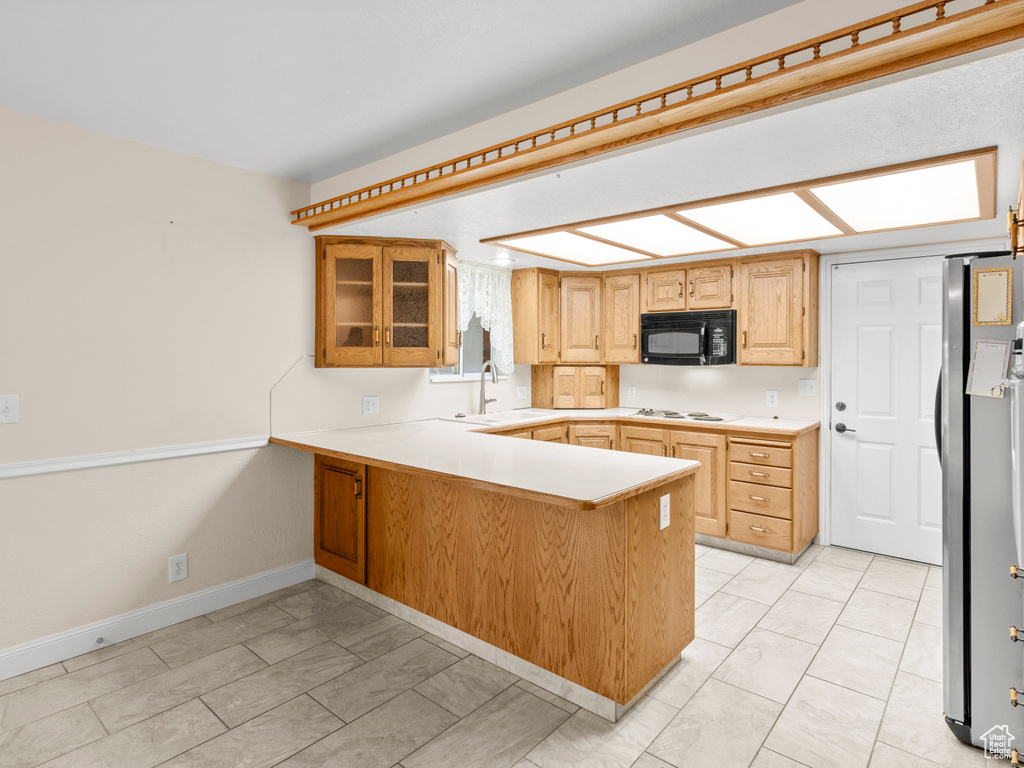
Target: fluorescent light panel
[570,247]
[658,234]
[907,199]
[763,220]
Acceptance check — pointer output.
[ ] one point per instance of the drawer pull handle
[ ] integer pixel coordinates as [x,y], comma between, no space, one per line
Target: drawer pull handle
[760,498]
[543,341]
[376,335]
[634,341]
[595,342]
[761,455]
[760,474]
[387,336]
[691,287]
[759,529]
[680,290]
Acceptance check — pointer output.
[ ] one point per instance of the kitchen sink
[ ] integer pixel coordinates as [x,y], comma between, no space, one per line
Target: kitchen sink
[507,417]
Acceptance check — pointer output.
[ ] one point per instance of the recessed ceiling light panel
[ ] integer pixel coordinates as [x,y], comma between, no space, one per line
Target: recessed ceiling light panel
[570,247]
[762,220]
[908,199]
[658,234]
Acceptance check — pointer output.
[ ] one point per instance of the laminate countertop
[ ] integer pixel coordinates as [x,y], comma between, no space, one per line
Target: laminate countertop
[566,475]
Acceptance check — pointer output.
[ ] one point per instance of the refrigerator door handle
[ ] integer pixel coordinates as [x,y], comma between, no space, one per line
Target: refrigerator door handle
[938,418]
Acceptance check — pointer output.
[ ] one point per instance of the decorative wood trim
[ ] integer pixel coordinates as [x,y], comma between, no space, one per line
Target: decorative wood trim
[907,41]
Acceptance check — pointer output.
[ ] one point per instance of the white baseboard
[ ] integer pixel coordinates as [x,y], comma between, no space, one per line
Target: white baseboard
[74,642]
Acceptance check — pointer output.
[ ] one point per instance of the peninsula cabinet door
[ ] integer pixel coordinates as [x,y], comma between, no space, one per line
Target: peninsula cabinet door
[349,301]
[581,319]
[622,319]
[643,440]
[411,282]
[770,317]
[339,525]
[710,483]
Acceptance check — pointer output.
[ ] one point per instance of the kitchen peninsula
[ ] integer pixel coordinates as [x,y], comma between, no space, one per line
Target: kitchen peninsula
[559,555]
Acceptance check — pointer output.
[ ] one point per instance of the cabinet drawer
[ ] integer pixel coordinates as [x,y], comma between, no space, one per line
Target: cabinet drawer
[760,531]
[766,455]
[763,475]
[761,499]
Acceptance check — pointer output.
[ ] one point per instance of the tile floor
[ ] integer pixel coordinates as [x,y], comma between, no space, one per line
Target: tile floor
[832,661]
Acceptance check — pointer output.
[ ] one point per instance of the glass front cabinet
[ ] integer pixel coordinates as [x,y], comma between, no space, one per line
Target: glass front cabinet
[385,302]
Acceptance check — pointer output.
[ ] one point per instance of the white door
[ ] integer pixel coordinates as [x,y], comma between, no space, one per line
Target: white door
[886,351]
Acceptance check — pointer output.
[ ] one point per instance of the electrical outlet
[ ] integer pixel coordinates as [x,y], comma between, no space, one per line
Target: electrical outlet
[665,510]
[808,387]
[8,409]
[520,393]
[371,405]
[631,392]
[772,398]
[177,567]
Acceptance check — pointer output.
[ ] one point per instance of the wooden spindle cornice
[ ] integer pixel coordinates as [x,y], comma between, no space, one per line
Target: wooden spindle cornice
[909,37]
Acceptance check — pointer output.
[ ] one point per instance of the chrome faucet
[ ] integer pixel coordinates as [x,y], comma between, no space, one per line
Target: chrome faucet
[484,400]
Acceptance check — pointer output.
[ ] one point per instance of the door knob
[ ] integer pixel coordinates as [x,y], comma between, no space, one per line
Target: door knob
[840,428]
[840,406]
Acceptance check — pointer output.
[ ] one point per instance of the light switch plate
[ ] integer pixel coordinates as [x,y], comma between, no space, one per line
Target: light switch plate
[808,387]
[520,393]
[632,391]
[8,409]
[371,405]
[665,510]
[771,398]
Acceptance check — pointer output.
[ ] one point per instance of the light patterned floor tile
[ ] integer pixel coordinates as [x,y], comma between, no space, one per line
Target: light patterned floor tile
[466,685]
[726,619]
[767,664]
[934,580]
[444,645]
[761,583]
[308,633]
[305,604]
[720,727]
[220,635]
[829,581]
[607,745]
[50,737]
[379,637]
[133,644]
[258,602]
[822,721]
[34,677]
[885,756]
[923,653]
[706,583]
[895,577]
[725,561]
[802,616]
[859,661]
[549,697]
[697,663]
[768,759]
[879,614]
[845,558]
[929,608]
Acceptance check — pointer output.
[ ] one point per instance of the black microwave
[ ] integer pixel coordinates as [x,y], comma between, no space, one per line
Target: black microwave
[688,338]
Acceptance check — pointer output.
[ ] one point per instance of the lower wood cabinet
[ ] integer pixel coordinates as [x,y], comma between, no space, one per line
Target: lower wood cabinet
[710,482]
[593,435]
[339,523]
[653,442]
[556,433]
[575,386]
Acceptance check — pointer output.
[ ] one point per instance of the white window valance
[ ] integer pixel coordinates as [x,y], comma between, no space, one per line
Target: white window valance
[486,292]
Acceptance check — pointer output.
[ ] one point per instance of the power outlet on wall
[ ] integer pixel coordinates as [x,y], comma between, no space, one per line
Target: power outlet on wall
[631,392]
[809,387]
[371,405]
[8,409]
[520,393]
[177,567]
[771,398]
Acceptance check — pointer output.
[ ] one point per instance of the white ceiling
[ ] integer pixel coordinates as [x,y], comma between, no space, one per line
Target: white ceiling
[959,105]
[307,90]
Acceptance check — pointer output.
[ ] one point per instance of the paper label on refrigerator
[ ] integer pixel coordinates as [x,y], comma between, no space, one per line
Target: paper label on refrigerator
[989,360]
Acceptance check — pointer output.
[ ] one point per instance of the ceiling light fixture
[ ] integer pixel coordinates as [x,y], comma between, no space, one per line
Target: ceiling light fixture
[503,258]
[763,220]
[660,235]
[577,249]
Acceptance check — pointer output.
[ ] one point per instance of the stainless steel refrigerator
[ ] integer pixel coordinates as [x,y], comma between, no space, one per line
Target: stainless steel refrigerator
[981,600]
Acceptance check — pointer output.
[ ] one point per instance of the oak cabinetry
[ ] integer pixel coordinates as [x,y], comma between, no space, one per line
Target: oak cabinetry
[652,442]
[384,301]
[709,502]
[709,287]
[593,435]
[622,319]
[556,433]
[535,310]
[665,290]
[580,319]
[777,317]
[575,386]
[339,525]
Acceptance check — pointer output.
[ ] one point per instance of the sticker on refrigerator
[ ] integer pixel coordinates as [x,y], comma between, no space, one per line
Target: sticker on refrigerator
[987,375]
[993,296]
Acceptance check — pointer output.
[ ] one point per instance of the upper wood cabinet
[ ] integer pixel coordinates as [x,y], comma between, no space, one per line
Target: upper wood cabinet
[575,386]
[339,512]
[709,287]
[777,317]
[665,290]
[643,440]
[535,310]
[581,319]
[710,508]
[622,319]
[450,323]
[383,301]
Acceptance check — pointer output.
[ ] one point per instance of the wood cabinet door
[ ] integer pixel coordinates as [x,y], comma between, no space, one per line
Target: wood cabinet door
[566,387]
[548,319]
[593,435]
[553,434]
[710,488]
[411,297]
[665,290]
[581,320]
[349,305]
[709,287]
[621,306]
[770,316]
[339,525]
[643,440]
[452,338]
[592,385]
